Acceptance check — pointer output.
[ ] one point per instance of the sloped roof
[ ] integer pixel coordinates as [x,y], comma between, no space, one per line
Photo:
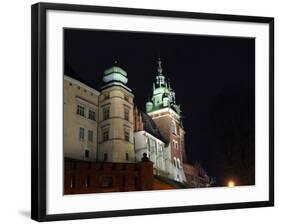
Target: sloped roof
[150,126]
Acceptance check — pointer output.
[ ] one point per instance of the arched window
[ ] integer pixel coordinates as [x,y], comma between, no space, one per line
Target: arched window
[174,127]
[175,162]
[179,163]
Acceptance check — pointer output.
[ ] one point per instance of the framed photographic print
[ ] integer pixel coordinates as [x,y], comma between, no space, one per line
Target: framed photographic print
[138,111]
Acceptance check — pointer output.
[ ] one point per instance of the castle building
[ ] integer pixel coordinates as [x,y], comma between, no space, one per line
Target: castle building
[106,126]
[149,140]
[166,114]
[196,176]
[115,135]
[80,120]
[98,125]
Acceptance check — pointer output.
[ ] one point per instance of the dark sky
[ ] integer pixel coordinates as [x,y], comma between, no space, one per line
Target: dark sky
[213,78]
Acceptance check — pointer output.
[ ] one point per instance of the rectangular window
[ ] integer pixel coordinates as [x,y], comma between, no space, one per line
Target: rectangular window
[92,115]
[80,110]
[126,98]
[127,156]
[127,135]
[81,134]
[126,114]
[105,157]
[90,135]
[87,153]
[106,113]
[105,135]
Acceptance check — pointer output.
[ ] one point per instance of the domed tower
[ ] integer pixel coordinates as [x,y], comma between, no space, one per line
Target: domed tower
[166,114]
[116,118]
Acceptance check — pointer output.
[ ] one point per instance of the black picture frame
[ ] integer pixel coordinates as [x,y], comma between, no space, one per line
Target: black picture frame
[39,123]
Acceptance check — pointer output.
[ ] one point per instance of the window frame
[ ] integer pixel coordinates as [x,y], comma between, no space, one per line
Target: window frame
[80,110]
[106,113]
[81,134]
[92,136]
[92,114]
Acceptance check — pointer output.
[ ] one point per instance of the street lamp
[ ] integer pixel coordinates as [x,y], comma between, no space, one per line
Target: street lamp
[230,183]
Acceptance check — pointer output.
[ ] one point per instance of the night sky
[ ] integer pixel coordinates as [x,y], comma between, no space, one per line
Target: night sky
[214,81]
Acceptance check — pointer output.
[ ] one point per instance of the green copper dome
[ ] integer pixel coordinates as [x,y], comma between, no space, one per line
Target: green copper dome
[115,74]
[162,96]
[115,69]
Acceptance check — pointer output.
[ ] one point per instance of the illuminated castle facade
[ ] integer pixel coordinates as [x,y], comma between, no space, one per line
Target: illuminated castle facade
[165,144]
[106,125]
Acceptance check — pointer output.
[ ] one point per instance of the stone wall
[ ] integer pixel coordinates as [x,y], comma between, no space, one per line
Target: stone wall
[96,177]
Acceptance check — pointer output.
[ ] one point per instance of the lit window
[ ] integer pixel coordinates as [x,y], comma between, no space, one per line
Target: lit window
[105,135]
[81,134]
[90,135]
[175,162]
[126,114]
[127,135]
[179,163]
[92,115]
[106,113]
[80,110]
[175,144]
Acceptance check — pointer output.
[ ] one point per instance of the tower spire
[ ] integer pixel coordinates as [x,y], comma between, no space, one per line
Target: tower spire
[160,79]
[160,70]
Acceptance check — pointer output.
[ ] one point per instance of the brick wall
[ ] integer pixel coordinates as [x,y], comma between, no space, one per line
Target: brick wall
[96,177]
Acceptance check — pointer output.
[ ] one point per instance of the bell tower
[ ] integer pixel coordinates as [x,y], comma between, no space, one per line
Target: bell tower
[166,114]
[116,143]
